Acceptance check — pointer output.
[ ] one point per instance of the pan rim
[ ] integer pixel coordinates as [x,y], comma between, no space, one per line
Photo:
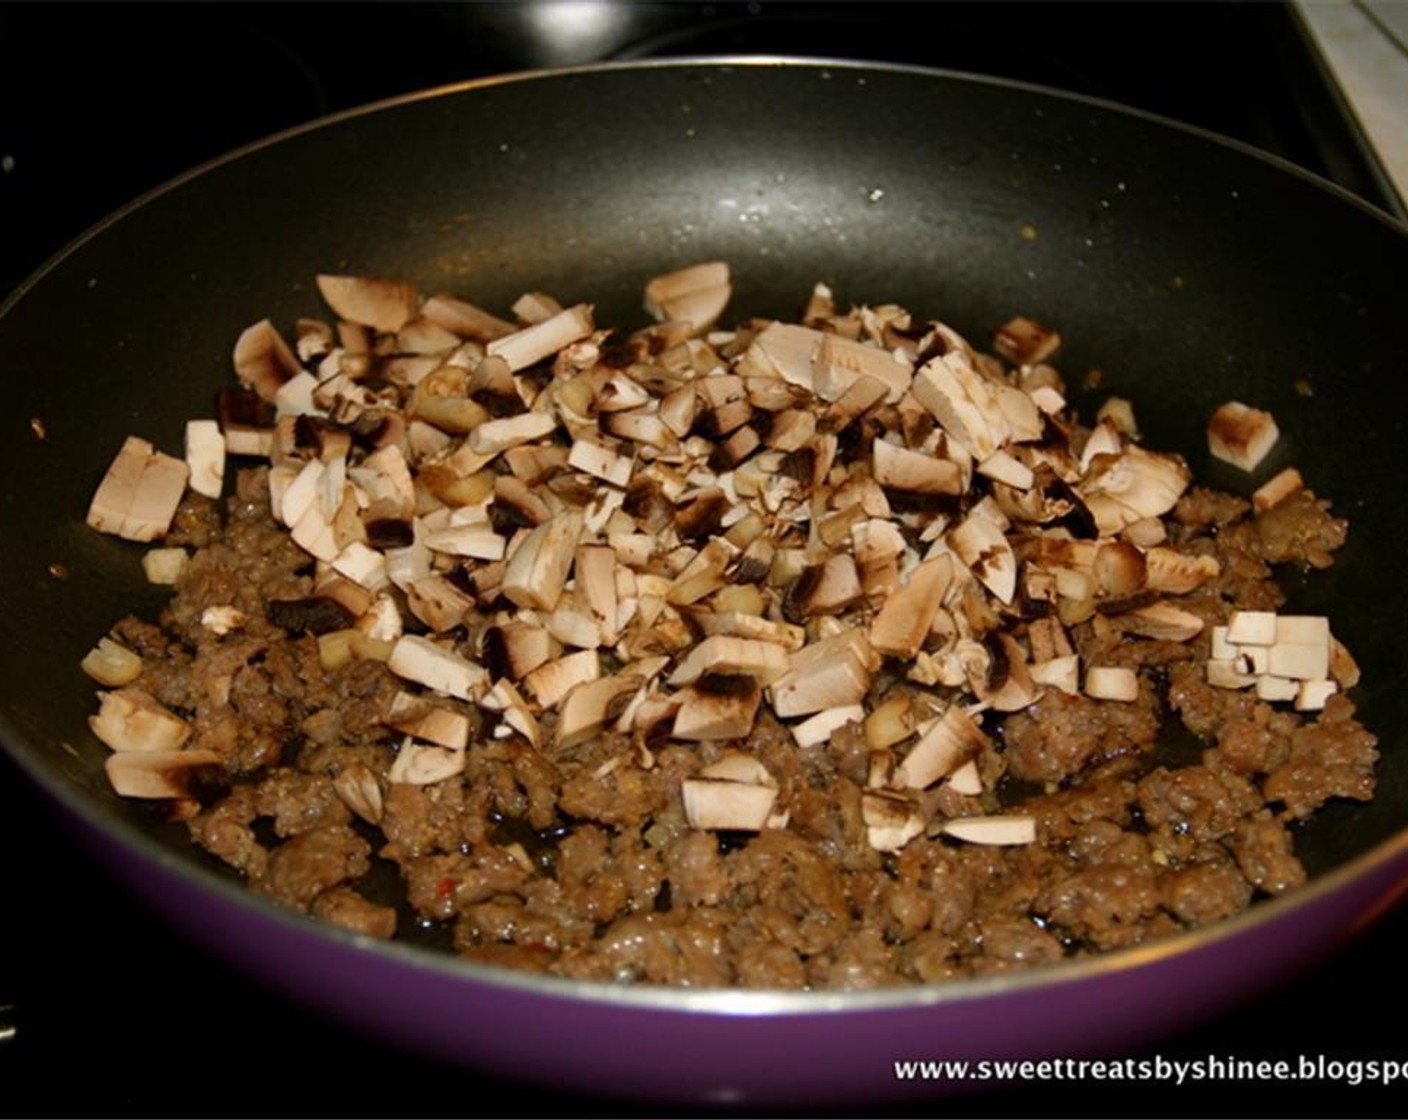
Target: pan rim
[717,63]
[720,1001]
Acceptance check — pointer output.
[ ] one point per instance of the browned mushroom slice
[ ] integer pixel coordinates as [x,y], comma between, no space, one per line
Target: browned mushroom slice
[891,722]
[590,706]
[420,718]
[541,340]
[601,462]
[1121,489]
[949,742]
[167,774]
[981,544]
[383,305]
[1025,342]
[1008,686]
[903,622]
[824,589]
[1119,570]
[696,295]
[1002,467]
[1241,435]
[764,661]
[247,422]
[451,414]
[1061,672]
[439,603]
[638,425]
[1343,668]
[550,682]
[902,469]
[506,699]
[1022,412]
[1170,571]
[839,363]
[678,410]
[537,568]
[536,307]
[130,719]
[786,351]
[964,403]
[494,436]
[818,729]
[724,404]
[515,649]
[831,673]
[891,820]
[263,360]
[739,625]
[863,395]
[138,495]
[966,779]
[358,788]
[717,706]
[1163,621]
[465,319]
[704,574]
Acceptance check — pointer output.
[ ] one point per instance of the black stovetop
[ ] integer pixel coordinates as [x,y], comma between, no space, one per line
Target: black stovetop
[101,103]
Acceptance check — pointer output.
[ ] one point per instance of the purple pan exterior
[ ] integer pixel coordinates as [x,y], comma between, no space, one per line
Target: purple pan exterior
[754,1048]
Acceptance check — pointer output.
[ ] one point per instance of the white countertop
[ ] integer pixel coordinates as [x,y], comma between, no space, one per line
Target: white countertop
[1365,43]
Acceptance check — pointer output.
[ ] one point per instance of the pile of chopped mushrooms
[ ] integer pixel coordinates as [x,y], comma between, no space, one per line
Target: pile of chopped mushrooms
[701,523]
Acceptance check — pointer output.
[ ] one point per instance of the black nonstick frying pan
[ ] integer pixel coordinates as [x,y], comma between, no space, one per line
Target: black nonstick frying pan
[1184,269]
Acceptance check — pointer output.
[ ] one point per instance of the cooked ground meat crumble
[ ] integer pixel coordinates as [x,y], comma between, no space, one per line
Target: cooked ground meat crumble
[584,860]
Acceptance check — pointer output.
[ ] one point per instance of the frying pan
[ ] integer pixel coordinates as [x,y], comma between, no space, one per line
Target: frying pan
[1183,268]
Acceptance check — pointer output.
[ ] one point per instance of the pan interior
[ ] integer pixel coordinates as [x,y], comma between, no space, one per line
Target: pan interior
[1184,271]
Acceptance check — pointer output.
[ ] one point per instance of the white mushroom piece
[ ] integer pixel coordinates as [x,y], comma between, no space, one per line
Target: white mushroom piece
[138,495]
[696,295]
[735,793]
[1242,435]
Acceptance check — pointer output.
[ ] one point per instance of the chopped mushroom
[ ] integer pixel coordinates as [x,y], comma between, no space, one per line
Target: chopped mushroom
[138,496]
[167,774]
[696,295]
[999,830]
[1241,435]
[383,305]
[132,720]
